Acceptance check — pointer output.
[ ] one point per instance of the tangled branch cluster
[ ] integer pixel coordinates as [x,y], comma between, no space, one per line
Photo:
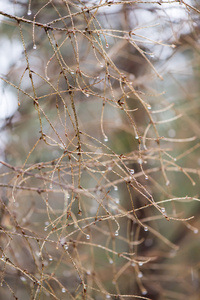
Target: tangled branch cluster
[96,182]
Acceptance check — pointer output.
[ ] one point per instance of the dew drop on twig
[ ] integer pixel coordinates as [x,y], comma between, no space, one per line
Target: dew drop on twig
[105,139]
[22,278]
[110,261]
[167,183]
[34,47]
[66,247]
[144,292]
[88,272]
[87,236]
[140,275]
[29,12]
[149,106]
[117,200]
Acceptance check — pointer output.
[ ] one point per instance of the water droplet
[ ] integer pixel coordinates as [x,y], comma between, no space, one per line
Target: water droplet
[105,139]
[133,264]
[141,263]
[63,290]
[50,258]
[108,296]
[117,200]
[163,209]
[88,272]
[37,253]
[127,96]
[110,261]
[173,253]
[45,228]
[47,78]
[109,168]
[22,278]
[116,233]
[171,133]
[167,182]
[101,65]
[87,95]
[132,171]
[146,177]
[66,247]
[87,236]
[115,188]
[140,275]
[107,46]
[29,12]
[144,292]
[196,230]
[34,47]
[173,46]
[146,229]
[152,55]
[149,106]
[136,137]
[72,72]
[140,161]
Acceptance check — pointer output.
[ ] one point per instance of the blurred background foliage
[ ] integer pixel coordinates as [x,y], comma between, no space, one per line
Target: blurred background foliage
[99,150]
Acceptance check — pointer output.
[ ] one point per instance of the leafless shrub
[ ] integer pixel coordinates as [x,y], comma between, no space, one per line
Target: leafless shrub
[99,185]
